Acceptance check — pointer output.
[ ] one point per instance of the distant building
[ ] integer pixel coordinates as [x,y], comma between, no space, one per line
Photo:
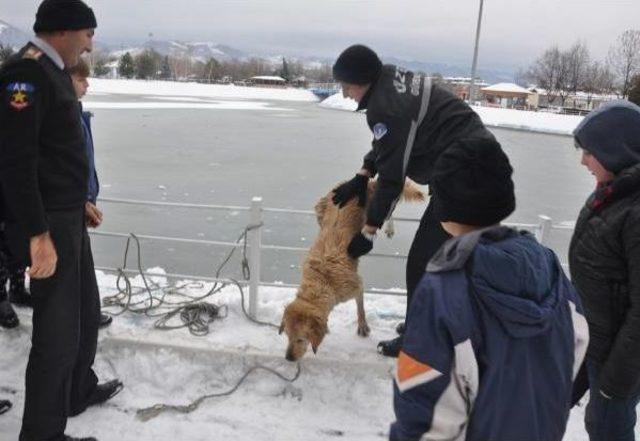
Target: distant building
[267,81]
[460,85]
[300,82]
[506,95]
[579,102]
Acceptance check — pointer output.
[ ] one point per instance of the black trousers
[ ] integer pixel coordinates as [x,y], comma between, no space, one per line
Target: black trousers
[428,239]
[66,314]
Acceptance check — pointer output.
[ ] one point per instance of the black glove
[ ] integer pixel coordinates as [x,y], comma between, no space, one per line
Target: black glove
[357,186]
[359,246]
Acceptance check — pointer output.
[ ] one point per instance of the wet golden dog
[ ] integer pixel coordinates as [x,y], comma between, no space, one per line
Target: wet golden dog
[329,275]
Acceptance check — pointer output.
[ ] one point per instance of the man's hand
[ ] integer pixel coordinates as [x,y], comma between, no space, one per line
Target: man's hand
[93,215]
[357,186]
[362,242]
[43,257]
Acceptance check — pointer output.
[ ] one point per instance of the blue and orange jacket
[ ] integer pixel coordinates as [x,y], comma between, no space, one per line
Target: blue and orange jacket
[495,337]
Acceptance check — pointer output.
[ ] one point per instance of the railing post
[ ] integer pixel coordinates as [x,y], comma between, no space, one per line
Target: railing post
[255,247]
[544,230]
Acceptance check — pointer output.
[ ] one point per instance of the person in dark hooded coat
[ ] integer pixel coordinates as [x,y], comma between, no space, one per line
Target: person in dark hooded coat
[604,258]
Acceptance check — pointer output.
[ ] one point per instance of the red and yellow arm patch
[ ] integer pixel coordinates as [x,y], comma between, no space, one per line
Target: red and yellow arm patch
[20,95]
[411,372]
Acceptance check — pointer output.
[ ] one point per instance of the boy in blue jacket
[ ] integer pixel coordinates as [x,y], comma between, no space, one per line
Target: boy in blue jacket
[496,333]
[79,76]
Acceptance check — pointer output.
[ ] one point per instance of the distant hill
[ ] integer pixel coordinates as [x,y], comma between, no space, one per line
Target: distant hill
[204,50]
[448,70]
[198,51]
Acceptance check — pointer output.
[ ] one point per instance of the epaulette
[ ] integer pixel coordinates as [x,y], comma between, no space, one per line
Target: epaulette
[33,53]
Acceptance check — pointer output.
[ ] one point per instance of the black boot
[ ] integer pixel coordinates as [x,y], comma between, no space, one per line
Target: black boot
[8,317]
[105,320]
[17,291]
[390,348]
[5,406]
[71,438]
[102,393]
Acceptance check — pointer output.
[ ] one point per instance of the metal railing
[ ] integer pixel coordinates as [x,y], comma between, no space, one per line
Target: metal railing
[256,211]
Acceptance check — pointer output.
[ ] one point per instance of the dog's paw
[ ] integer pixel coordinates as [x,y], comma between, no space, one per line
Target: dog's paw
[363,329]
[389,228]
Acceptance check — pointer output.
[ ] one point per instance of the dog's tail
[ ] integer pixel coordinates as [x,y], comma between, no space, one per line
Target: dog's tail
[411,192]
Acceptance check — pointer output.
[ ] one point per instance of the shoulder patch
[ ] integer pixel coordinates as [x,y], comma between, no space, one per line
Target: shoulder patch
[32,54]
[379,130]
[20,95]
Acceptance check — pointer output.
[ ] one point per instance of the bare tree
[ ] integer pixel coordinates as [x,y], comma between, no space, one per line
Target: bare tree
[564,76]
[598,80]
[545,72]
[624,57]
[579,59]
[634,93]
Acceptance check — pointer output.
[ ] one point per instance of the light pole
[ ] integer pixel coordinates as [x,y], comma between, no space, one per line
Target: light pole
[472,84]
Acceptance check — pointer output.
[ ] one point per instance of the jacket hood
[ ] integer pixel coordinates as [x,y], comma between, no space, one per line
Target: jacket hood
[512,276]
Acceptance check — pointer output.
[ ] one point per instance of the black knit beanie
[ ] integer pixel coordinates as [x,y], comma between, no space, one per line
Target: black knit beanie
[64,15]
[472,183]
[612,134]
[357,64]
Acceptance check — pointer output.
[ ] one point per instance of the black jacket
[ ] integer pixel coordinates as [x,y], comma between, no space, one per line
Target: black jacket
[413,121]
[43,164]
[604,259]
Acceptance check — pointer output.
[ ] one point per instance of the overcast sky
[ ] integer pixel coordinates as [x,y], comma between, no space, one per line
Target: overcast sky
[441,31]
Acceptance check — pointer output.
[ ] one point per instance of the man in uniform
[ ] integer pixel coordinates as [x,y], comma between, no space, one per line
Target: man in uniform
[43,173]
[413,121]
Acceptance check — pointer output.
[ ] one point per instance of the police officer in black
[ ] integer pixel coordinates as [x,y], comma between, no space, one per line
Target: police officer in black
[413,121]
[43,173]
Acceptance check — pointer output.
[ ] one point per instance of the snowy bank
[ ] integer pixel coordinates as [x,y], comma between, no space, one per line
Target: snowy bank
[494,117]
[161,105]
[101,86]
[343,392]
[541,122]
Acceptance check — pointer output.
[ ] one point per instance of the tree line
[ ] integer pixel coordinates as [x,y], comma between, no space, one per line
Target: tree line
[149,65]
[565,72]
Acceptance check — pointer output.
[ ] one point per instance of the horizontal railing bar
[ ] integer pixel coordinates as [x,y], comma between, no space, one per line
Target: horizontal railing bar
[563,227]
[194,278]
[189,277]
[277,210]
[173,204]
[167,239]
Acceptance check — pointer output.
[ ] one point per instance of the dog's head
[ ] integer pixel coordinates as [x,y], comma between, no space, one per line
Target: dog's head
[305,325]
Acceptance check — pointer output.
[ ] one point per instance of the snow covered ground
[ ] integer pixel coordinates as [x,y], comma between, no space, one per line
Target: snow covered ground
[174,95]
[216,91]
[494,117]
[343,392]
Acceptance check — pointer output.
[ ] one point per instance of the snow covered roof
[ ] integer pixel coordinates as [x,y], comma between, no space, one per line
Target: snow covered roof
[269,78]
[506,87]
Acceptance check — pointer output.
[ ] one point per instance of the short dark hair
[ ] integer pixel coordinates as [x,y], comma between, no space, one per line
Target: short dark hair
[80,70]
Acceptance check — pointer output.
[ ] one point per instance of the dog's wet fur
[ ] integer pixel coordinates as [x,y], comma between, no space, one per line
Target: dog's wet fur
[329,275]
